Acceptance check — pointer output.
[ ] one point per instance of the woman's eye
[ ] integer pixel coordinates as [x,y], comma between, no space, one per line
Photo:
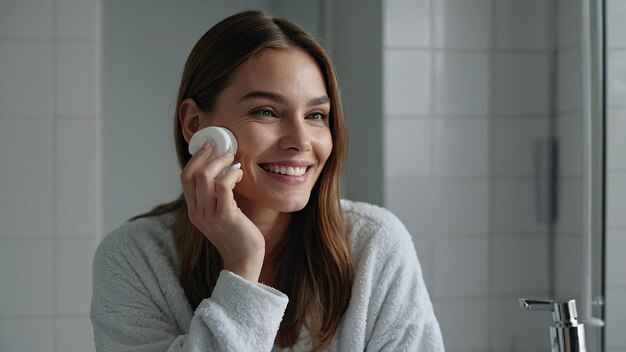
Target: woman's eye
[317,116]
[263,112]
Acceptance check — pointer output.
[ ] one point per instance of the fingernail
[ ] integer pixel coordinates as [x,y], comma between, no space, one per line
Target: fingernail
[207,145]
[235,166]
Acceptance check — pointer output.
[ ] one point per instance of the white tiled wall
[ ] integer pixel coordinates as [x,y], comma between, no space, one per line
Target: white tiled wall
[470,85]
[461,83]
[406,83]
[460,148]
[515,138]
[523,24]
[49,188]
[461,334]
[521,83]
[462,24]
[616,177]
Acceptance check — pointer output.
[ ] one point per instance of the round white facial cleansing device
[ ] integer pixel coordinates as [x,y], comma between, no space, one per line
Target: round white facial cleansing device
[223,140]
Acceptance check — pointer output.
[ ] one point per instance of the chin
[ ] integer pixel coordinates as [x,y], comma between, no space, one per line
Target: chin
[284,201]
[290,205]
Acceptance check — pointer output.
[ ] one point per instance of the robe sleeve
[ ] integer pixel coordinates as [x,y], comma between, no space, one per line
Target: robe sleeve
[128,313]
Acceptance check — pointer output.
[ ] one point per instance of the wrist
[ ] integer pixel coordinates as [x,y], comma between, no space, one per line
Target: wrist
[249,269]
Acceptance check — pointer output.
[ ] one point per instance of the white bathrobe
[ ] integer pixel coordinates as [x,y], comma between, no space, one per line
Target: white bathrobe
[139,305]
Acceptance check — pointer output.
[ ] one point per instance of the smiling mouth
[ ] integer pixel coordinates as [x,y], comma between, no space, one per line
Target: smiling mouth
[285,170]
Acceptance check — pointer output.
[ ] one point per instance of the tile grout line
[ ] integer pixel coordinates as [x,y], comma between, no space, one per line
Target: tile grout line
[490,179]
[55,132]
[98,93]
[431,113]
[432,109]
[490,51]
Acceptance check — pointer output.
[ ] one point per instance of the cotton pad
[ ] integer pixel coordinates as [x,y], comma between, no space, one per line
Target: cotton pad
[223,140]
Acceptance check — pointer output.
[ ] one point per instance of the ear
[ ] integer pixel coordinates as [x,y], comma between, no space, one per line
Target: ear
[189,116]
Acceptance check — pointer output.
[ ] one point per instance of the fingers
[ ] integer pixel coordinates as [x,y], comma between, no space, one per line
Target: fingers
[225,202]
[198,179]
[206,178]
[187,178]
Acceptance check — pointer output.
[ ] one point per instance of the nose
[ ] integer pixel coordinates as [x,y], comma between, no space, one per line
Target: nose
[295,135]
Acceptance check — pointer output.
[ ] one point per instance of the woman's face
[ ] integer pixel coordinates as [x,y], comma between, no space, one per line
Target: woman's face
[277,106]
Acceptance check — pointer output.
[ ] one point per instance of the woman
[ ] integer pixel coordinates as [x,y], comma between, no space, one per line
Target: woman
[266,257]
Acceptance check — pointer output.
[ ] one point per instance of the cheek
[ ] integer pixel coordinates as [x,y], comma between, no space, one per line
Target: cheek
[250,145]
[325,146]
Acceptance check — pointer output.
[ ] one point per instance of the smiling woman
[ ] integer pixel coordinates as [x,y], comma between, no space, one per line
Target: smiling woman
[266,257]
[277,107]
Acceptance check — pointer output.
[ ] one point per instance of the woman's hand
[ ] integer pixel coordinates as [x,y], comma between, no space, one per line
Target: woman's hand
[213,210]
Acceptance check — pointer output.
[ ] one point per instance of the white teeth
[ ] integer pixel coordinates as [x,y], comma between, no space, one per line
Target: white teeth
[286,170]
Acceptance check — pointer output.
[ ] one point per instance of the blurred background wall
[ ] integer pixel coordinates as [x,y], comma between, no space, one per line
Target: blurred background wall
[616,175]
[50,191]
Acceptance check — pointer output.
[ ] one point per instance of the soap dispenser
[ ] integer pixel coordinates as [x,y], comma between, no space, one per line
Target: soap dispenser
[566,334]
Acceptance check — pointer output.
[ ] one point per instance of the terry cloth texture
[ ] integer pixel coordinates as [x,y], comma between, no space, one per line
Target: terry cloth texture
[138,304]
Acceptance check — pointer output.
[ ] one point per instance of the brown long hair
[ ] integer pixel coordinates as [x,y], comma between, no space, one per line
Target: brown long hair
[314,269]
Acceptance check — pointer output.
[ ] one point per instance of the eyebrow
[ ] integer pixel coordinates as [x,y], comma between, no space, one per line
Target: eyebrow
[281,98]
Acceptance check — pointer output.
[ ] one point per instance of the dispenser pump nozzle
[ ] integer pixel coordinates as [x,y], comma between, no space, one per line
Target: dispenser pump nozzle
[566,334]
[564,312]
